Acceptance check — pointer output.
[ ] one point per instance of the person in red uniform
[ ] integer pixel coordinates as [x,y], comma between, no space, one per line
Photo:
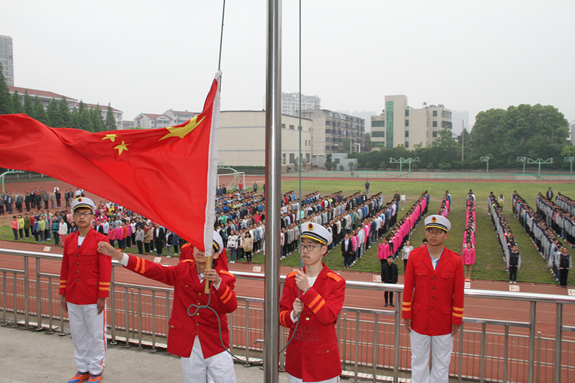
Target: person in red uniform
[433,302]
[195,334]
[311,301]
[84,286]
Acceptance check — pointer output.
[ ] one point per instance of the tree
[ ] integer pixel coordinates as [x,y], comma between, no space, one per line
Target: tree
[344,146]
[520,131]
[54,114]
[17,103]
[74,119]
[40,113]
[28,105]
[97,120]
[6,106]
[64,113]
[110,123]
[368,143]
[84,120]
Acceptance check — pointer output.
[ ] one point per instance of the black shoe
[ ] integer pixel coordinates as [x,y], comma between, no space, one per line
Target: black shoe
[392,305]
[385,305]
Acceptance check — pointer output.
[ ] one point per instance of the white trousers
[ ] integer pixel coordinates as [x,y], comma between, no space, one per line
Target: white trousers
[89,336]
[293,379]
[440,358]
[219,367]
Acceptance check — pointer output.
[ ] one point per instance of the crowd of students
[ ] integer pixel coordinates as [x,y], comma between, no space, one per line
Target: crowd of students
[511,254]
[468,251]
[560,221]
[544,239]
[444,207]
[393,244]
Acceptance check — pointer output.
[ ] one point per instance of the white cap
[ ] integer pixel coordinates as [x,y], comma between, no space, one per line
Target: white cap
[316,232]
[218,243]
[83,202]
[438,222]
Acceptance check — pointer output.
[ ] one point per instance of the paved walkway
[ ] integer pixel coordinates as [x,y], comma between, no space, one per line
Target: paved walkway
[27,356]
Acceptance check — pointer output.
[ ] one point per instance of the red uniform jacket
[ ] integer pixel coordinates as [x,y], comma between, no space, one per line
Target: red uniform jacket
[437,301]
[85,273]
[188,290]
[313,354]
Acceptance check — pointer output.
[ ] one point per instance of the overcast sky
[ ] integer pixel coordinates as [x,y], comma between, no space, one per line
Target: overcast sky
[150,55]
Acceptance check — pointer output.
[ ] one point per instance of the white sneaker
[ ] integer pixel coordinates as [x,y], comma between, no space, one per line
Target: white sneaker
[510,282]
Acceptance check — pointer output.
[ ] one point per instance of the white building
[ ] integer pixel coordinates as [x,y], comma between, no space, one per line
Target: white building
[168,118]
[7,59]
[291,106]
[400,124]
[242,139]
[329,129]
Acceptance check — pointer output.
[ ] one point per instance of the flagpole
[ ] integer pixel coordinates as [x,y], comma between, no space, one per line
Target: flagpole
[273,192]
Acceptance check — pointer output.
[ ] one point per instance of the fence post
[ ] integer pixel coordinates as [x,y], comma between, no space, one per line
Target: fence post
[374,358]
[26,294]
[38,297]
[460,362]
[558,335]
[398,301]
[532,324]
[356,346]
[112,309]
[506,354]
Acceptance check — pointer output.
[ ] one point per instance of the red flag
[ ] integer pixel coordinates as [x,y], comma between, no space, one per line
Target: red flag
[167,175]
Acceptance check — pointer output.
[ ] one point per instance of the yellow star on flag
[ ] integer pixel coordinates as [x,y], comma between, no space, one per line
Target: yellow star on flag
[111,137]
[182,131]
[123,146]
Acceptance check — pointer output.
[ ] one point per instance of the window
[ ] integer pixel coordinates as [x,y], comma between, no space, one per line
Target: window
[435,134]
[377,134]
[406,122]
[406,133]
[435,124]
[406,144]
[283,126]
[291,158]
[406,112]
[446,124]
[435,113]
[284,158]
[378,124]
[307,157]
[446,114]
[337,161]
[292,127]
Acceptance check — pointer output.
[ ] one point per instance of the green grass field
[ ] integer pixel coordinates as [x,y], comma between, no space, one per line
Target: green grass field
[489,257]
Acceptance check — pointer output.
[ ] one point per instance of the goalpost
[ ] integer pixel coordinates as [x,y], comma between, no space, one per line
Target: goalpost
[232,180]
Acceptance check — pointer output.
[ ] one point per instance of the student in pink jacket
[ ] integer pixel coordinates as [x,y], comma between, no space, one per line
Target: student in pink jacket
[468,257]
[383,251]
[111,235]
[120,236]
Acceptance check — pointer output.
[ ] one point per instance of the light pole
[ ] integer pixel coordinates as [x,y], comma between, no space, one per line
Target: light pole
[524,160]
[570,160]
[486,159]
[9,171]
[402,161]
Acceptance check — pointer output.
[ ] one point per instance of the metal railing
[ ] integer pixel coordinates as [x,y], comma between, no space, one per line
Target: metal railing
[373,345]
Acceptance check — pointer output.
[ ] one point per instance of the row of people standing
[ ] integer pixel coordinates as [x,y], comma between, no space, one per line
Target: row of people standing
[543,238]
[511,254]
[468,251]
[560,221]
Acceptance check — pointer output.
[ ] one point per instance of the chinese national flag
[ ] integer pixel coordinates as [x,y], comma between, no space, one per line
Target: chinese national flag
[167,175]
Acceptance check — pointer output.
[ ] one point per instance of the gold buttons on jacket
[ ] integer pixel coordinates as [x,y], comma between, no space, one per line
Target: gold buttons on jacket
[329,275]
[199,293]
[432,287]
[327,351]
[77,271]
[172,326]
[432,277]
[431,308]
[431,297]
[197,324]
[306,318]
[186,285]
